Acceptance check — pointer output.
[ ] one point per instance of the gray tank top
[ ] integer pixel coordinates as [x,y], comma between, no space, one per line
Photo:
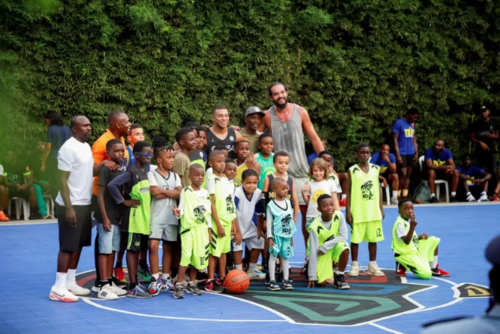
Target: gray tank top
[289,137]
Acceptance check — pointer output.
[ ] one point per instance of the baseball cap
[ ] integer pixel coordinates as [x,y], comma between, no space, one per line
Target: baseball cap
[484,108]
[254,110]
[493,251]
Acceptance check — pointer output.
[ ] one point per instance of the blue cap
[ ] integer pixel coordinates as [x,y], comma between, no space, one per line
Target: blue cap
[493,251]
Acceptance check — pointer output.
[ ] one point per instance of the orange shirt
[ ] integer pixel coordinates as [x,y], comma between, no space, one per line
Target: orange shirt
[99,153]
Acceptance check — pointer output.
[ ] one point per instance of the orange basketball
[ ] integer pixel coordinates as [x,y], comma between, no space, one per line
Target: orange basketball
[237,281]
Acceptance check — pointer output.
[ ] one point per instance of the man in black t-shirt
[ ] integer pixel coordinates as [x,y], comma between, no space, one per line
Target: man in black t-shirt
[484,133]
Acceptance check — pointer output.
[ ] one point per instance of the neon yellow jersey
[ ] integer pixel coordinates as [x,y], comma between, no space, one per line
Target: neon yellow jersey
[140,216]
[239,172]
[399,246]
[365,194]
[196,210]
[222,190]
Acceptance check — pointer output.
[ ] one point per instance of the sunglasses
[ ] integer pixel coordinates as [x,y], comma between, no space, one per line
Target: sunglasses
[147,155]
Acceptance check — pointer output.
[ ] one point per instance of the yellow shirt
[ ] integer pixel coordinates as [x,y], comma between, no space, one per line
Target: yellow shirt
[239,172]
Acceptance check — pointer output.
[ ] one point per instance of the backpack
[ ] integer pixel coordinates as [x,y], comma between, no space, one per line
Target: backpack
[422,193]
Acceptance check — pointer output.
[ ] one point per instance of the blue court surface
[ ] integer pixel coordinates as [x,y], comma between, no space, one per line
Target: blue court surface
[28,265]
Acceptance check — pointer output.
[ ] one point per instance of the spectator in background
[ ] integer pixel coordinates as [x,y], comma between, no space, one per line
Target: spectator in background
[253,118]
[135,134]
[474,178]
[315,155]
[4,198]
[387,163]
[57,135]
[484,133]
[439,164]
[405,147]
[37,178]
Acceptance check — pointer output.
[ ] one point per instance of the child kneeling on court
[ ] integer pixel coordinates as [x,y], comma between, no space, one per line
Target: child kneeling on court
[328,244]
[416,253]
[280,230]
[194,211]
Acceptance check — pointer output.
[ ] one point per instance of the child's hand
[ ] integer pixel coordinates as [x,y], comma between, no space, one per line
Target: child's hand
[111,165]
[424,236]
[233,230]
[306,188]
[413,222]
[311,284]
[176,211]
[349,218]
[260,234]
[131,203]
[220,231]
[237,238]
[106,224]
[270,242]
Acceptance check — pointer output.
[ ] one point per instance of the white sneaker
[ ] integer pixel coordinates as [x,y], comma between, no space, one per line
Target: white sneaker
[117,290]
[483,198]
[354,269]
[374,270]
[96,289]
[257,275]
[77,290]
[168,286]
[62,294]
[107,293]
[471,198]
[394,201]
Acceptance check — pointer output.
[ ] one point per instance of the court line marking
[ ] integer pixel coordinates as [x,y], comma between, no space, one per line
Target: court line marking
[385,328]
[457,292]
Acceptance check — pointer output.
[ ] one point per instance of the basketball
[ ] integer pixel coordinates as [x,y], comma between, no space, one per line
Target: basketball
[237,281]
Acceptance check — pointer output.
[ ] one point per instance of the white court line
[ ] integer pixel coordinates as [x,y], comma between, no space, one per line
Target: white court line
[385,328]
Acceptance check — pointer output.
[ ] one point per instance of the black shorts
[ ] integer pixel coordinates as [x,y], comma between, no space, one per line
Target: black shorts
[73,238]
[408,161]
[137,242]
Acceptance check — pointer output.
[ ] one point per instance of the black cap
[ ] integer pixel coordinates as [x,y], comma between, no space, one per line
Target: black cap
[492,252]
[254,110]
[484,108]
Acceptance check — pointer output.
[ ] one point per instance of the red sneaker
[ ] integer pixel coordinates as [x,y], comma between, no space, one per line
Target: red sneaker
[343,202]
[3,217]
[120,274]
[495,198]
[440,272]
[400,270]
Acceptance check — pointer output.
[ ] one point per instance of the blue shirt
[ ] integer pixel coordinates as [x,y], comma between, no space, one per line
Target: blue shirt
[440,159]
[472,172]
[406,133]
[377,160]
[311,157]
[57,136]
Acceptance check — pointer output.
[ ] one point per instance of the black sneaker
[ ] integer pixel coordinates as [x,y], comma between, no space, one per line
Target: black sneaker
[434,200]
[453,199]
[179,291]
[287,285]
[273,286]
[267,281]
[218,286]
[118,282]
[339,282]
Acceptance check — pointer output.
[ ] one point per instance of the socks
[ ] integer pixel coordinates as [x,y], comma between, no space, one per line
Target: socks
[399,193]
[272,267]
[453,193]
[434,263]
[61,280]
[70,278]
[405,192]
[371,263]
[239,266]
[344,196]
[251,268]
[433,195]
[165,277]
[103,283]
[340,273]
[285,268]
[469,194]
[156,276]
[395,193]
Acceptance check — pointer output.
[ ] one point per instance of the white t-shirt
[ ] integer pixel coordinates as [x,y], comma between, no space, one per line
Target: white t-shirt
[1,170]
[161,209]
[76,157]
[202,194]
[317,189]
[247,211]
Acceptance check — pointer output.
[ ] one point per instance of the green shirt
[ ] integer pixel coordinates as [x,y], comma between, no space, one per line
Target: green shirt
[398,245]
[222,190]
[140,216]
[266,168]
[365,194]
[195,207]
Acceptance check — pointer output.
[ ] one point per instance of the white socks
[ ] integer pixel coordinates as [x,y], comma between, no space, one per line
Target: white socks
[394,194]
[433,195]
[285,265]
[251,268]
[61,280]
[165,276]
[239,266]
[156,276]
[70,278]
[434,263]
[453,193]
[344,196]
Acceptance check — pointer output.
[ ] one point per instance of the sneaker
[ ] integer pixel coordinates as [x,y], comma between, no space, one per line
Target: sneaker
[400,270]
[257,275]
[495,198]
[483,198]
[77,290]
[107,293]
[209,285]
[339,282]
[193,289]
[287,285]
[453,199]
[155,286]
[440,272]
[343,202]
[178,291]
[273,286]
[118,290]
[144,273]
[47,216]
[219,285]
[96,288]
[138,292]
[374,270]
[3,217]
[434,200]
[35,216]
[394,201]
[470,198]
[354,269]
[168,286]
[120,275]
[62,295]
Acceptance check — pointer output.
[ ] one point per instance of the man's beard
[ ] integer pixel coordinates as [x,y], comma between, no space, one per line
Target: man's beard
[279,105]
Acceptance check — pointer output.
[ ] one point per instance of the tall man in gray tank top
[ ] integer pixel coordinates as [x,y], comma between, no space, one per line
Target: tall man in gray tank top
[288,122]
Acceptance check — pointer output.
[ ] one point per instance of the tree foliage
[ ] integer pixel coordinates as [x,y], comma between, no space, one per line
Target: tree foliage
[356,65]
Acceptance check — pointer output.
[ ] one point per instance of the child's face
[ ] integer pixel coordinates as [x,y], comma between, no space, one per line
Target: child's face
[218,163]
[318,173]
[166,159]
[116,153]
[230,170]
[202,140]
[327,207]
[384,149]
[281,164]
[250,184]
[144,156]
[281,189]
[242,150]
[189,141]
[266,145]
[135,136]
[197,175]
[363,154]
[406,210]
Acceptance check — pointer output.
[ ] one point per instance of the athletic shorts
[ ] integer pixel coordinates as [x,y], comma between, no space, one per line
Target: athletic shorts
[250,243]
[109,241]
[418,262]
[73,238]
[282,247]
[164,232]
[369,231]
[220,245]
[324,269]
[137,242]
[408,161]
[195,247]
[299,184]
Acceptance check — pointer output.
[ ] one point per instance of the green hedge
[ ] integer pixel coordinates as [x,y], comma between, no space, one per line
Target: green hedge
[356,66]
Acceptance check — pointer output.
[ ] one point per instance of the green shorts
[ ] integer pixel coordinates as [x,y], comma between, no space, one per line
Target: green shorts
[282,247]
[418,262]
[220,245]
[324,269]
[194,245]
[369,231]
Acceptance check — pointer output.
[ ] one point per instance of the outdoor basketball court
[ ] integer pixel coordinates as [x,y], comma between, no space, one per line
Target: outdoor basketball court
[373,305]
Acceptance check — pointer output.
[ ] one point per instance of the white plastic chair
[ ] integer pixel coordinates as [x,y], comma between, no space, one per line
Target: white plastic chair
[437,183]
[20,203]
[50,204]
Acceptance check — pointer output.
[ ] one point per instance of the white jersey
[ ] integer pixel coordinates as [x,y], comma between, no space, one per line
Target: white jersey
[161,209]
[247,211]
[317,189]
